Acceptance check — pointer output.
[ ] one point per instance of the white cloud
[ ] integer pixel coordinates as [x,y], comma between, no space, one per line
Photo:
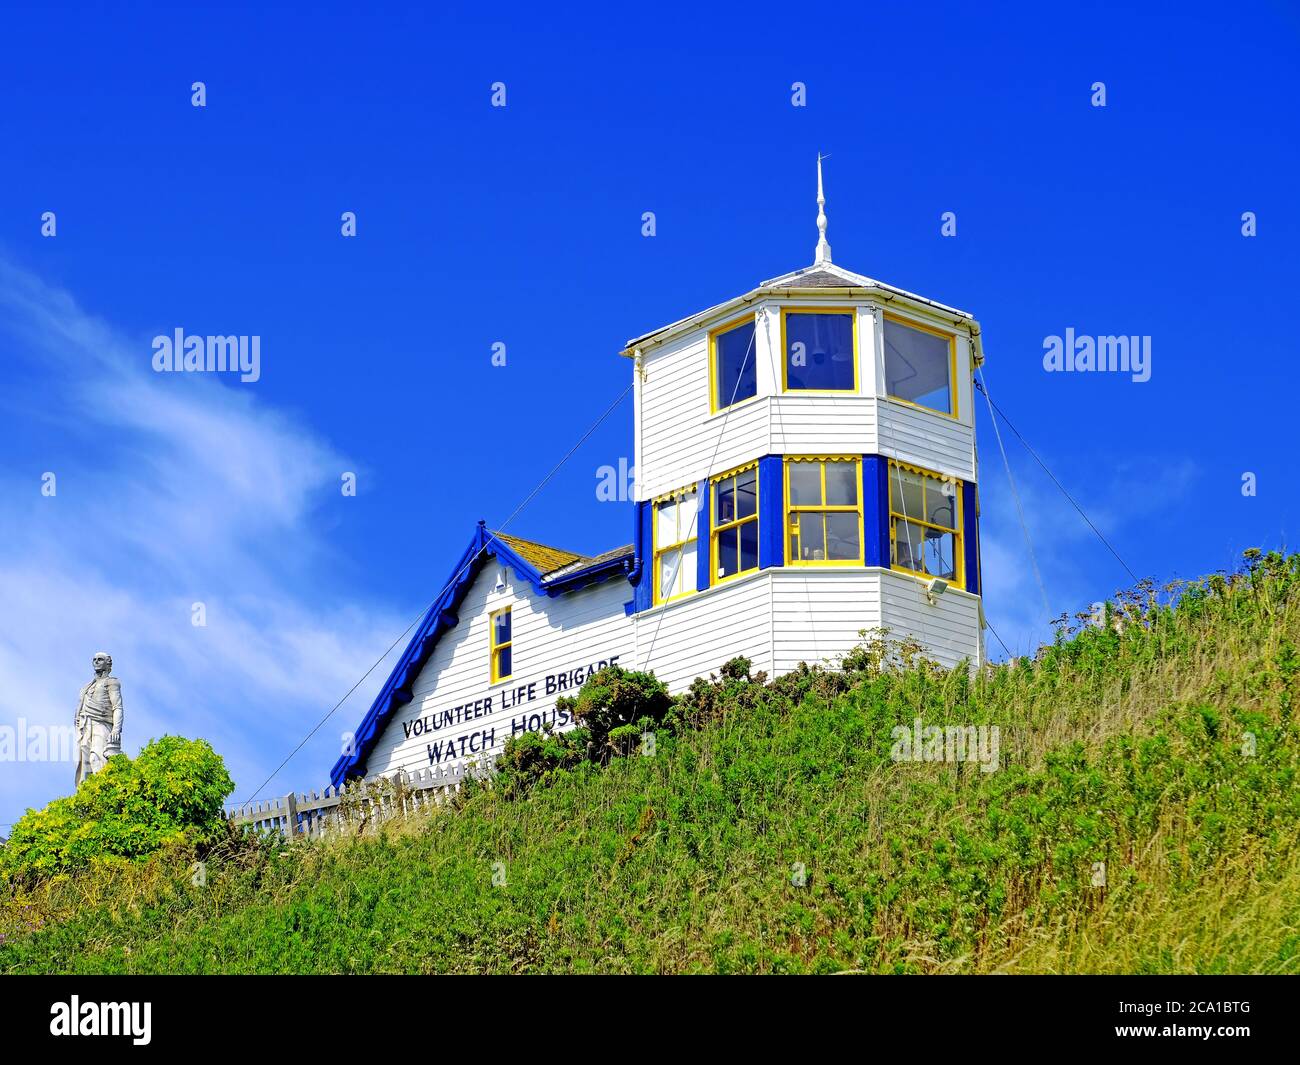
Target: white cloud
[171,489]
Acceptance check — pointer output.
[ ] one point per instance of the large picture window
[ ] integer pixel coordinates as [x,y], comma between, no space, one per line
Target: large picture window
[824,510]
[735,523]
[919,366]
[502,642]
[733,364]
[925,523]
[676,522]
[820,350]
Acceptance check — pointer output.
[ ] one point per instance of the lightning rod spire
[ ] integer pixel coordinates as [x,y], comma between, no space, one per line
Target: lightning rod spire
[823,254]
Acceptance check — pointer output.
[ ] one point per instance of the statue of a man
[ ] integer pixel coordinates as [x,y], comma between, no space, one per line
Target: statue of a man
[99,718]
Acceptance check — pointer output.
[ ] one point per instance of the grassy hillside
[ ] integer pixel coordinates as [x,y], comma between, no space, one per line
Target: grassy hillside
[1163,745]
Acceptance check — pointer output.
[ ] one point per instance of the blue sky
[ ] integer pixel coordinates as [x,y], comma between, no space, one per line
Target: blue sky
[522,225]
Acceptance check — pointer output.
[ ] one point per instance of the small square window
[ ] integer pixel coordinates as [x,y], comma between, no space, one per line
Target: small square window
[735,375]
[820,354]
[918,367]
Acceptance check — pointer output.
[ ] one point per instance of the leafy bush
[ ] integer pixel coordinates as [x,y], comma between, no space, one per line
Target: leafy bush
[171,793]
[531,757]
[616,706]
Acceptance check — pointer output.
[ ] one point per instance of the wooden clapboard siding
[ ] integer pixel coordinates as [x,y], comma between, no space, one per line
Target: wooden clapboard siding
[692,637]
[819,614]
[925,439]
[949,629]
[679,440]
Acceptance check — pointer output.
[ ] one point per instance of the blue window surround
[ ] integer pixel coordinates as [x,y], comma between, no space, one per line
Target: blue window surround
[704,524]
[771,518]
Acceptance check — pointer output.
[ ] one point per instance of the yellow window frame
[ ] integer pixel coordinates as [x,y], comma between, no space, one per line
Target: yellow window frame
[852,312]
[685,537]
[792,512]
[716,530]
[494,648]
[958,534]
[715,406]
[952,364]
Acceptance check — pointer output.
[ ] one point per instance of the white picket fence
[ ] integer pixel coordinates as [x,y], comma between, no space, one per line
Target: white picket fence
[355,806]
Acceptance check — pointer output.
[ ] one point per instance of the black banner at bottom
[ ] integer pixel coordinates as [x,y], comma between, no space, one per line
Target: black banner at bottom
[1216,1014]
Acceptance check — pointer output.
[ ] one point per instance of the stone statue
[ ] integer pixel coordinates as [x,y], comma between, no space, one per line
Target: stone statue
[99,718]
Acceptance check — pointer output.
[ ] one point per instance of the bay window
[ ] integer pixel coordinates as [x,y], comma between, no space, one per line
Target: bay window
[920,366]
[733,367]
[819,350]
[925,523]
[676,522]
[735,523]
[823,515]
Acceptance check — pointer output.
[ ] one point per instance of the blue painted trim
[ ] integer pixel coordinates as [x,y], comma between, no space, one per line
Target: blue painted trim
[703,536]
[771,511]
[971,537]
[441,617]
[875,510]
[643,567]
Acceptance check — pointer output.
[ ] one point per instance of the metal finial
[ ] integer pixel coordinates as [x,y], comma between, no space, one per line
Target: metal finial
[823,254]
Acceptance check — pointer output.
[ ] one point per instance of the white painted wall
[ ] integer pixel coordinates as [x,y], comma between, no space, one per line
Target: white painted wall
[549,636]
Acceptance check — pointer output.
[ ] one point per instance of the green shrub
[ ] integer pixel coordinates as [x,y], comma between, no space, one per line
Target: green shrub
[171,793]
[616,706]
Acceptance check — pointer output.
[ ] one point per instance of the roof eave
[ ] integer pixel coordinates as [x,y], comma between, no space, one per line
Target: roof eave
[878,290]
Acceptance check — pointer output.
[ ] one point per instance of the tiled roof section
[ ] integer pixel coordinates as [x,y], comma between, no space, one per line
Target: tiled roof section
[817,279]
[594,560]
[546,559]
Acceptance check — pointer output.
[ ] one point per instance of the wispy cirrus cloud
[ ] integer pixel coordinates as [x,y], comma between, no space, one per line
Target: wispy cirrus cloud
[171,489]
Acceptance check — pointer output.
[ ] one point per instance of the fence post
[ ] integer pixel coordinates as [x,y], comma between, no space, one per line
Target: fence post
[291,809]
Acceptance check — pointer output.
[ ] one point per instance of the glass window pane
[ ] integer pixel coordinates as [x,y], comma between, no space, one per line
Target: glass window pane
[501,628]
[812,541]
[747,494]
[725,509]
[749,546]
[666,523]
[728,553]
[941,503]
[686,570]
[819,351]
[687,517]
[842,484]
[805,484]
[906,493]
[503,662]
[734,370]
[842,536]
[667,573]
[918,366]
[908,541]
[939,561]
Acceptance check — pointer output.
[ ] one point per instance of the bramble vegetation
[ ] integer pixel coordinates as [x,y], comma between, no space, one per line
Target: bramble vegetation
[1145,817]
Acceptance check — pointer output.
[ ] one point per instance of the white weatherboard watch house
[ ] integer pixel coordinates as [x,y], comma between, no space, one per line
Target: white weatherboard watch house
[806,470]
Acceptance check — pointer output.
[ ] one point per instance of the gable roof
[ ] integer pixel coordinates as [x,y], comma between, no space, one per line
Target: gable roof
[550,571]
[546,559]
